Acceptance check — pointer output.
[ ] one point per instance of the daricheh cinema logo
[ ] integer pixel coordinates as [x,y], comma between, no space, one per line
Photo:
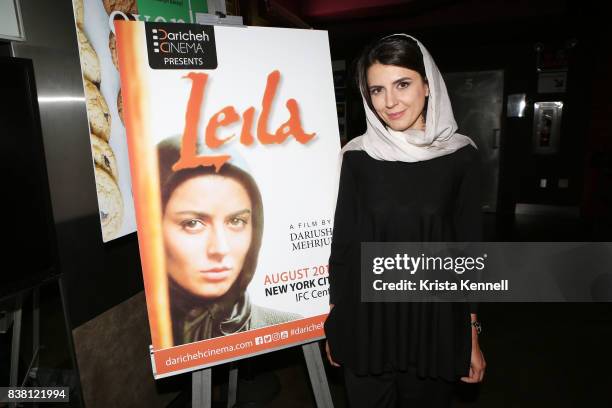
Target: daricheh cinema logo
[181,46]
[178,42]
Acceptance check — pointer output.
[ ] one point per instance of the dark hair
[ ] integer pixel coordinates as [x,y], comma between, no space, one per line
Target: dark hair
[396,50]
[168,153]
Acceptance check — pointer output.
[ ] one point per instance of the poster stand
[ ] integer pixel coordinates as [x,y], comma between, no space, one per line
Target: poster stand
[318,378]
[202,381]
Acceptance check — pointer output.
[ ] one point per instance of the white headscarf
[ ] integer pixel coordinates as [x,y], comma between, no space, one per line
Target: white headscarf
[438,139]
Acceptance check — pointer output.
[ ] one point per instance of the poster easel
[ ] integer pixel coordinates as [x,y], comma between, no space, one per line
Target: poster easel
[202,381]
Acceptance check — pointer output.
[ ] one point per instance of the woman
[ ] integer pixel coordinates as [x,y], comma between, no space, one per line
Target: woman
[212,224]
[409,178]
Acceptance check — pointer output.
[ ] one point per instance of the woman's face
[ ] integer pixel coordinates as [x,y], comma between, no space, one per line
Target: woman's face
[207,227]
[398,96]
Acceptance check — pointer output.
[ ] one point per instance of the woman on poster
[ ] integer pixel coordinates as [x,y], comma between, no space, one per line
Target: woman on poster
[409,178]
[212,224]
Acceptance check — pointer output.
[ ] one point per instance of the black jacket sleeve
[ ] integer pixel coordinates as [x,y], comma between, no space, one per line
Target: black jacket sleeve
[344,234]
[468,209]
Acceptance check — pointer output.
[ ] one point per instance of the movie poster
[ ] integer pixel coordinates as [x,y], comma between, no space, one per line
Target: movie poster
[98,56]
[233,143]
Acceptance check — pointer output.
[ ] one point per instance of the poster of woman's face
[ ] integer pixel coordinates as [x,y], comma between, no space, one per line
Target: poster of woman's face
[231,166]
[207,233]
[211,226]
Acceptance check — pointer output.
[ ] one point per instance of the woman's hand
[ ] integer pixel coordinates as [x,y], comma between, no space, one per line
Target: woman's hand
[477,361]
[329,357]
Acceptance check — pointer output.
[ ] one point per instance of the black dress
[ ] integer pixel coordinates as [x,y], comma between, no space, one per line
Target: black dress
[437,200]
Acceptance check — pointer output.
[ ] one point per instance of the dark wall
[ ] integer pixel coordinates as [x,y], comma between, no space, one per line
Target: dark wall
[491,41]
[5,49]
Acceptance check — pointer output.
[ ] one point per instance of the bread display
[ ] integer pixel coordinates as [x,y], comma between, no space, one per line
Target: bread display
[97,64]
[78,12]
[112,45]
[97,111]
[126,6]
[110,204]
[89,59]
[104,157]
[120,107]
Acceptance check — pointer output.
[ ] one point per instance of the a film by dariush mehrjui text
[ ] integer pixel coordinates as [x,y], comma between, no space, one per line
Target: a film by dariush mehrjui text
[233,143]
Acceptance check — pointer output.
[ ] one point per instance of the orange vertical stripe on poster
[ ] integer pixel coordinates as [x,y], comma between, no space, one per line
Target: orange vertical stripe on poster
[145,179]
